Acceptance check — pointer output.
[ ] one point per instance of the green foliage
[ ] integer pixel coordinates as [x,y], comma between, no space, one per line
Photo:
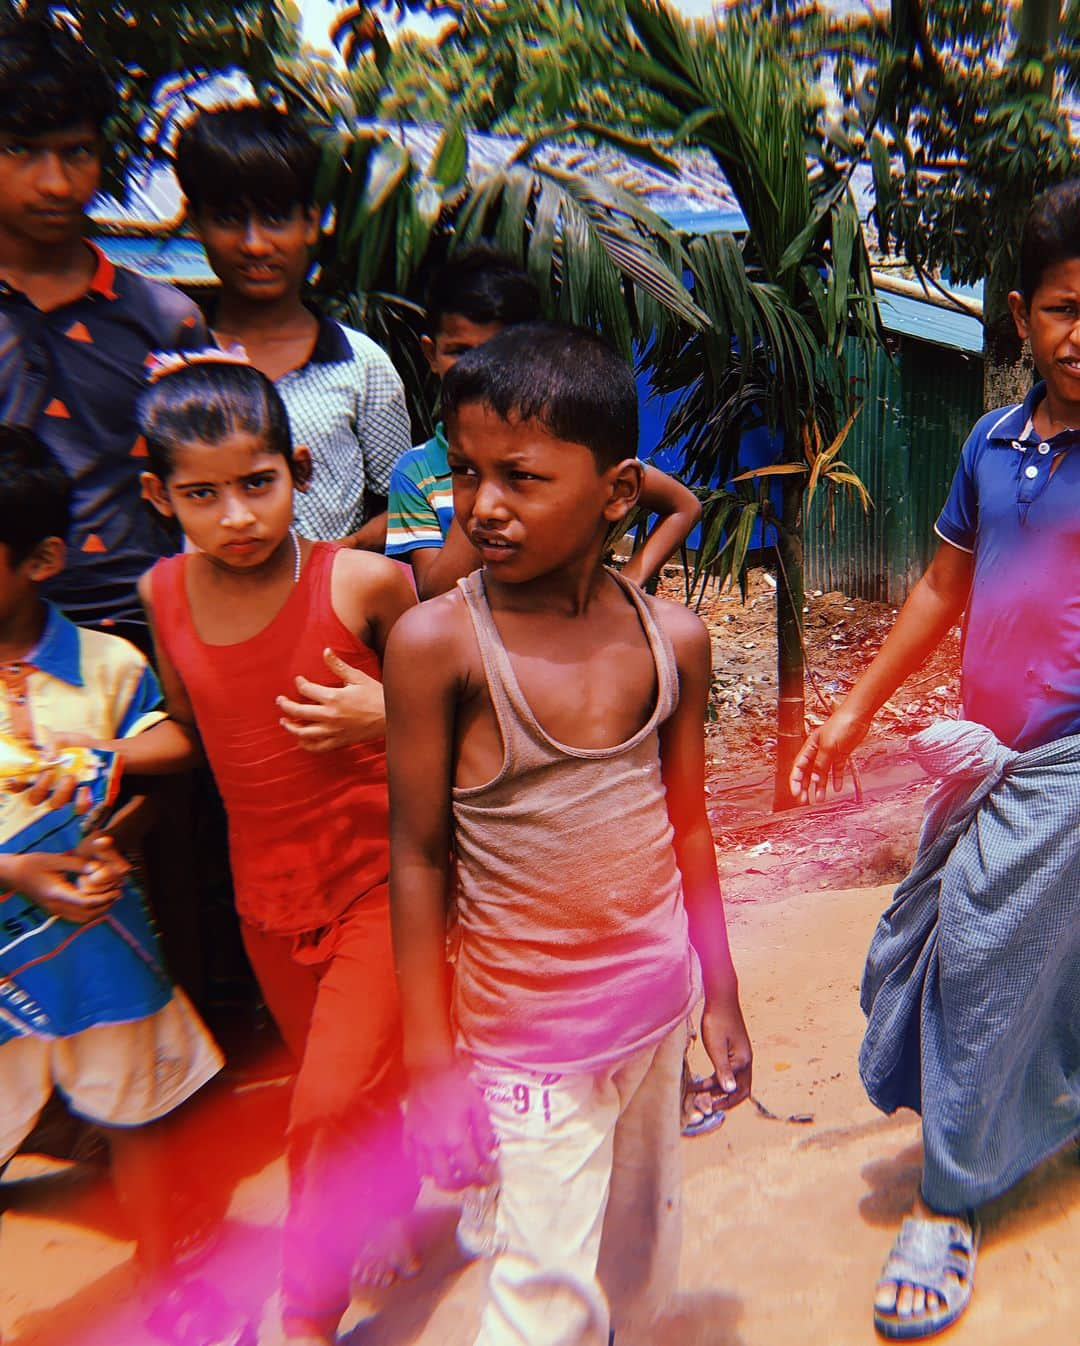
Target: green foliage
[961,107]
[600,256]
[509,68]
[784,298]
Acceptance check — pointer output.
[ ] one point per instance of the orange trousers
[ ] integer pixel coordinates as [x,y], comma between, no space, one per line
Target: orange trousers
[334,997]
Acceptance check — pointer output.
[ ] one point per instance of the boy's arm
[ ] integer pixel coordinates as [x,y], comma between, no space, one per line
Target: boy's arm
[385,435]
[169,746]
[438,569]
[371,535]
[679,511]
[181,748]
[369,594]
[933,608]
[446,1119]
[415,534]
[682,760]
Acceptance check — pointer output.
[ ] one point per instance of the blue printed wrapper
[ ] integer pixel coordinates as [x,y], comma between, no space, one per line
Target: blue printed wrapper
[58,978]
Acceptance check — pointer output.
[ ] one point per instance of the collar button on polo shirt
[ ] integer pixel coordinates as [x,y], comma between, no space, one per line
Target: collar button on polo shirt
[1015,505]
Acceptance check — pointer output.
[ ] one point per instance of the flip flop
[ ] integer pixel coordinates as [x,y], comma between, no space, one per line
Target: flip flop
[927,1255]
[706,1121]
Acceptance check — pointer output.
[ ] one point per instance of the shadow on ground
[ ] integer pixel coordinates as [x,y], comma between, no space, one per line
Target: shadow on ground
[1037,1200]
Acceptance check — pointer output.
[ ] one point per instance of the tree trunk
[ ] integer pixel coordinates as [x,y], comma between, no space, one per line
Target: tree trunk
[790,723]
[1007,364]
[1037,34]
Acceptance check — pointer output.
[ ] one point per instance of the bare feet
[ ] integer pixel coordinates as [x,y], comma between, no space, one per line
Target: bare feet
[394,1257]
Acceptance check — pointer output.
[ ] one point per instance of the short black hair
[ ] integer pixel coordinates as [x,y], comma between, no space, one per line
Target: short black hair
[1051,234]
[50,80]
[484,285]
[207,401]
[567,379]
[251,153]
[35,493]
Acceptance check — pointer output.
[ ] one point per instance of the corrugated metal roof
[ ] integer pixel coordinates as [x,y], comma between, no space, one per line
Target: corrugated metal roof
[936,323]
[696,199]
[179,260]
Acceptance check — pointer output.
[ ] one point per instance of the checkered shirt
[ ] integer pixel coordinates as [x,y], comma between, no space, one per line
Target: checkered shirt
[347,404]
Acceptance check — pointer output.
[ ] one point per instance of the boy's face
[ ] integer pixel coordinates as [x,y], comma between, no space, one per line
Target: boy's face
[456,335]
[1051,322]
[233,499]
[21,581]
[257,253]
[531,503]
[47,182]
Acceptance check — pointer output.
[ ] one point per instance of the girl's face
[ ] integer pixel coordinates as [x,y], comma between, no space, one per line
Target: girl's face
[233,499]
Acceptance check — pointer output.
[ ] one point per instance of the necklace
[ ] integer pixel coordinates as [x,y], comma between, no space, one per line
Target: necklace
[296,556]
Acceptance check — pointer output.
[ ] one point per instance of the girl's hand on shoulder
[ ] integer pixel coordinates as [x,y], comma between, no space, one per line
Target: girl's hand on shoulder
[727,1042]
[448,1129]
[335,717]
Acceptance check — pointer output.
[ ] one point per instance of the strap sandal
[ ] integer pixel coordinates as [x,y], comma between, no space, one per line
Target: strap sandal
[695,1120]
[934,1259]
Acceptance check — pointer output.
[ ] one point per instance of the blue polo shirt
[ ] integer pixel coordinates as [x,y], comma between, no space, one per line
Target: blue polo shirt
[89,359]
[1015,505]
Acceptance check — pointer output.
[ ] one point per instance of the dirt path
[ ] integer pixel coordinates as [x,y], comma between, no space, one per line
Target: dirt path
[785,1224]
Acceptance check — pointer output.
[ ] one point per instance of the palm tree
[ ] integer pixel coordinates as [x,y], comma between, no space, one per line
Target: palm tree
[396,208]
[784,301]
[965,111]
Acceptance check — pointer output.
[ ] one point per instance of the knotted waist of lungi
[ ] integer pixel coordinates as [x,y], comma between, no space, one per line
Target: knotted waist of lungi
[972,983]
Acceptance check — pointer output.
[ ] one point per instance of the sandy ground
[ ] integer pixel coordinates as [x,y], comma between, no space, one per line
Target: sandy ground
[786,1223]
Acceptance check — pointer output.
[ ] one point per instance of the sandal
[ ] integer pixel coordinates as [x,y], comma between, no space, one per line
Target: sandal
[695,1120]
[938,1258]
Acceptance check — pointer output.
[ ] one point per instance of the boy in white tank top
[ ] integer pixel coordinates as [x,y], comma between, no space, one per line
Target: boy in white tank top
[546,728]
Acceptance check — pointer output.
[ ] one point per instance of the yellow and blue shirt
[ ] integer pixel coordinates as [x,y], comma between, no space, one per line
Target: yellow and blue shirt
[57,978]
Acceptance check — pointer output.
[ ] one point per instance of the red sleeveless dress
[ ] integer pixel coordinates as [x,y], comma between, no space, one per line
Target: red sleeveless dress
[308,832]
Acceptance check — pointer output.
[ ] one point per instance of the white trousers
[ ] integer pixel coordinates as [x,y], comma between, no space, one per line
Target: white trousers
[588,1221]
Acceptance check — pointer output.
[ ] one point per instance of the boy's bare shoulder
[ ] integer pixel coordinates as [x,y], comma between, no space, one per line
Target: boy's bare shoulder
[360,577]
[437,632]
[687,632]
[366,567]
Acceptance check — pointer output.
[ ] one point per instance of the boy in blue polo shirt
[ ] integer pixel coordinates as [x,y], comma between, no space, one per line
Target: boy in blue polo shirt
[972,985]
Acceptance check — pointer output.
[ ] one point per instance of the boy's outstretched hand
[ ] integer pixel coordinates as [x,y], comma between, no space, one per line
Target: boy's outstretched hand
[727,1042]
[448,1130]
[826,751]
[335,717]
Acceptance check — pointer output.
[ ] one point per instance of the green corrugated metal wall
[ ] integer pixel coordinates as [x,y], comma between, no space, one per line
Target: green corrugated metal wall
[918,408]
